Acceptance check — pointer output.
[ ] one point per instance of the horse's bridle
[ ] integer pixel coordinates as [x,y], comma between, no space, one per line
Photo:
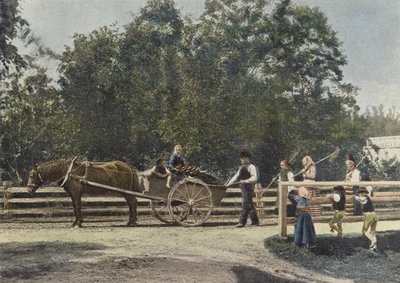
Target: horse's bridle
[40,179]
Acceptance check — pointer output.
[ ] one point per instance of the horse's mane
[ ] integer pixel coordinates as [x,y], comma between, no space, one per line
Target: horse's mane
[49,166]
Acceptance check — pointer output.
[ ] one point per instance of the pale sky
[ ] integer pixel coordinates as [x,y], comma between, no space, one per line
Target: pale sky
[369,30]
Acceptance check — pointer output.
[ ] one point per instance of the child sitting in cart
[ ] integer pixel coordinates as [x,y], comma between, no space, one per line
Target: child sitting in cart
[160,170]
[177,163]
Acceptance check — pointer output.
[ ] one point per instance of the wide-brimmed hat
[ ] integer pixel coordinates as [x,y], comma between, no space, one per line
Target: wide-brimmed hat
[362,190]
[244,154]
[303,192]
[339,188]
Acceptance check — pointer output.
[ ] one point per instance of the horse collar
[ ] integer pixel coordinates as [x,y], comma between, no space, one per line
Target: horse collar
[40,177]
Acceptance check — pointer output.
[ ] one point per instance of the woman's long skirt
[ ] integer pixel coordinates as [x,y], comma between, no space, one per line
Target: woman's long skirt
[304,231]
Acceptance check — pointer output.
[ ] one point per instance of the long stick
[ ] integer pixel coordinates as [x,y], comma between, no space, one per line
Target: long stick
[323,159]
[277,175]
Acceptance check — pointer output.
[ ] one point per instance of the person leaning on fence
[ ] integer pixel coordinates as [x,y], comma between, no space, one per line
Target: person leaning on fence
[353,175]
[309,174]
[160,170]
[286,174]
[370,218]
[247,176]
[304,231]
[339,202]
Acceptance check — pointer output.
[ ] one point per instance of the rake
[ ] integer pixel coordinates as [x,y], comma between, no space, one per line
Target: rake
[331,157]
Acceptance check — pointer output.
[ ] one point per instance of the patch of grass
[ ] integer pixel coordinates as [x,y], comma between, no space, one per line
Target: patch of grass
[327,245]
[348,257]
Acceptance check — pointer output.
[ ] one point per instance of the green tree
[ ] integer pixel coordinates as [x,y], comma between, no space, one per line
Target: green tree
[90,90]
[29,122]
[12,25]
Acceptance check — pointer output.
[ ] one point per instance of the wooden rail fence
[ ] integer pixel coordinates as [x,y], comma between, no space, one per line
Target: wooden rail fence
[52,204]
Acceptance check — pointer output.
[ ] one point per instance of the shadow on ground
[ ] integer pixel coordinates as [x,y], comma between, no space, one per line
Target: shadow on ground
[26,261]
[348,257]
[138,269]
[248,274]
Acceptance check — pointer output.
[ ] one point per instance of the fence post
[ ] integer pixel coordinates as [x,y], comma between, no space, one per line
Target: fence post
[259,202]
[6,198]
[282,219]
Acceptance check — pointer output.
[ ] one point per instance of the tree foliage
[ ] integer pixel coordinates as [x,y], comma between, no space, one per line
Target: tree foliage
[245,74]
[12,25]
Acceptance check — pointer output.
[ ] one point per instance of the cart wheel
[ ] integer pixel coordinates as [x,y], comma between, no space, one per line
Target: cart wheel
[190,202]
[160,211]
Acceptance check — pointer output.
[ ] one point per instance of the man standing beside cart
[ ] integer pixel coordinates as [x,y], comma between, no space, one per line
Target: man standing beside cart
[246,176]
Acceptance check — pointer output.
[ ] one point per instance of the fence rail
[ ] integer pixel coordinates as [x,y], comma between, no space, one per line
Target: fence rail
[53,204]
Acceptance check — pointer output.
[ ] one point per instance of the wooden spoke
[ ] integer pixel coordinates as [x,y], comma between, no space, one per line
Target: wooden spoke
[200,199]
[187,190]
[160,211]
[186,199]
[198,193]
[196,209]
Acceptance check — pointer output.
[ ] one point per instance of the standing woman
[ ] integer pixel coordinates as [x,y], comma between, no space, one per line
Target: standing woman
[352,175]
[309,173]
[286,174]
[304,231]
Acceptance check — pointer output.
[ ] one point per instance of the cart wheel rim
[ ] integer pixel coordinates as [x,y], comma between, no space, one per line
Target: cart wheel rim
[160,211]
[190,202]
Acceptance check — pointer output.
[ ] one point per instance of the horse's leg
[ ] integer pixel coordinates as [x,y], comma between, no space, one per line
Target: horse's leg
[132,204]
[73,199]
[79,218]
[76,203]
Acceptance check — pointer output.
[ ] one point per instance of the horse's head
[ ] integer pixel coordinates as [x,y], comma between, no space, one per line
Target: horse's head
[35,180]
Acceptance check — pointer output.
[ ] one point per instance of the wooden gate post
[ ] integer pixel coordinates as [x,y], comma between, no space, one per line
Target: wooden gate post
[259,203]
[282,220]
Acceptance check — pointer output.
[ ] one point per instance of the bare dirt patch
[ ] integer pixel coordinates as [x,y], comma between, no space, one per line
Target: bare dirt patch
[102,252]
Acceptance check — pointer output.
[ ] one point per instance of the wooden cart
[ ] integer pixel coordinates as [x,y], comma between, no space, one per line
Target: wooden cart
[189,202]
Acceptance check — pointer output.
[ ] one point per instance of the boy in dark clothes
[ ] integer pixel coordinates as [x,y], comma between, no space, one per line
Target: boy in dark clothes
[160,170]
[339,202]
[370,218]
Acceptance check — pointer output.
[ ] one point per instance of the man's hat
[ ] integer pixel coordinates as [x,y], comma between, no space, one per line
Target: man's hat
[339,188]
[362,190]
[245,153]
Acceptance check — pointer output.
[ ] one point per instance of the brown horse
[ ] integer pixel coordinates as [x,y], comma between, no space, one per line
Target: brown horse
[115,173]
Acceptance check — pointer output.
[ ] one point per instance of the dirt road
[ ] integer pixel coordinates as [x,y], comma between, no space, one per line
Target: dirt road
[150,252]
